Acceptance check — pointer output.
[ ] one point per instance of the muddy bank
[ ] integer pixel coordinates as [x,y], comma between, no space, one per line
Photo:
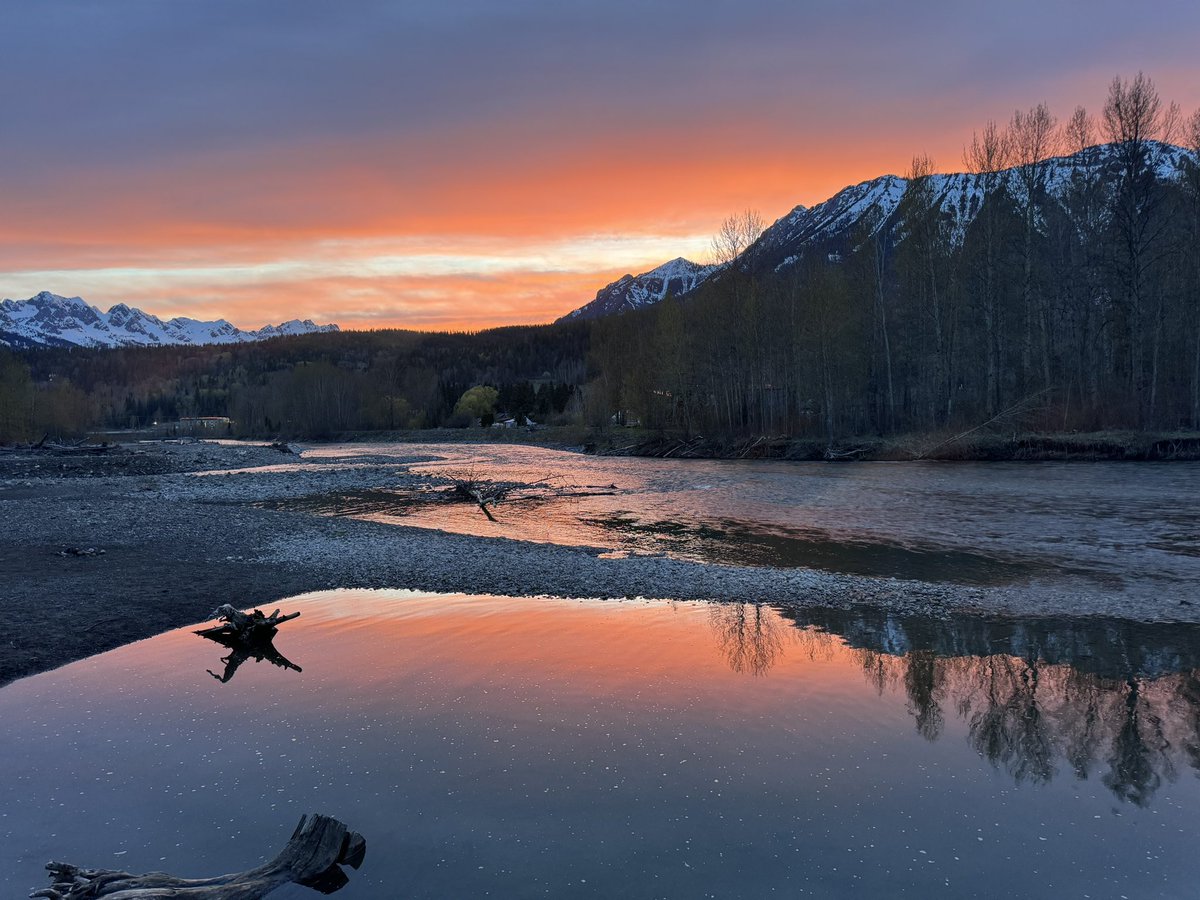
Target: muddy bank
[176,545]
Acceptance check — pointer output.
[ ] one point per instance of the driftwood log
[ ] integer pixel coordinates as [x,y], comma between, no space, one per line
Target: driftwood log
[61,448]
[490,493]
[248,636]
[247,626]
[318,848]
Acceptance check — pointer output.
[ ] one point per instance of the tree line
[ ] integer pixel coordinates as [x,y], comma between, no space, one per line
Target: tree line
[1075,305]
[304,386]
[1065,306]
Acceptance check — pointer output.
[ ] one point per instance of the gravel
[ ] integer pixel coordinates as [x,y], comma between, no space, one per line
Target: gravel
[176,545]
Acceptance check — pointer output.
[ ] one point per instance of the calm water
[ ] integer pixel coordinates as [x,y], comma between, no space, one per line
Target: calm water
[531,748]
[1108,527]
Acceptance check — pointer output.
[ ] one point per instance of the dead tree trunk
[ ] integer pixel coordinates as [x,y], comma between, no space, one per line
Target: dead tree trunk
[319,847]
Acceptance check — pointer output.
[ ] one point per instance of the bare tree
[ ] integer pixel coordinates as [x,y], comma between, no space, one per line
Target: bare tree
[1134,113]
[736,234]
[1192,139]
[1135,121]
[927,244]
[1033,139]
[1078,131]
[987,155]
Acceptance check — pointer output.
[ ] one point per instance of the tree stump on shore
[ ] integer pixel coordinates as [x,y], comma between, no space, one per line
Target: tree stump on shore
[318,848]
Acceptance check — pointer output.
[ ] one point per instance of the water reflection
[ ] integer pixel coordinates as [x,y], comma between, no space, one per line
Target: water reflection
[750,635]
[579,748]
[1113,526]
[1114,699]
[242,649]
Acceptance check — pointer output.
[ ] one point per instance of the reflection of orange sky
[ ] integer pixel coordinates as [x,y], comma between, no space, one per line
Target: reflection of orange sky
[649,653]
[167,240]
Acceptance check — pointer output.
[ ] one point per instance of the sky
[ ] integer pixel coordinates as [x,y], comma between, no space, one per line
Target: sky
[462,165]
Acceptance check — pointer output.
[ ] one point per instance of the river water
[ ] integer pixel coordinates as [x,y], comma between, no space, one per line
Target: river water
[1116,528]
[491,746]
[488,746]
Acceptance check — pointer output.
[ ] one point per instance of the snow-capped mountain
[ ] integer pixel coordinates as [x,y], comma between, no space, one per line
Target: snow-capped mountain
[48,320]
[862,210]
[635,291]
[838,225]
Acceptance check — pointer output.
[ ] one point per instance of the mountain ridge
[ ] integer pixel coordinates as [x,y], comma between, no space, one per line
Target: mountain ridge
[50,320]
[830,226]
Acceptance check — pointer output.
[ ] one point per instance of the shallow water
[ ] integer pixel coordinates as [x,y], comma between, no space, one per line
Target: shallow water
[1117,528]
[499,747]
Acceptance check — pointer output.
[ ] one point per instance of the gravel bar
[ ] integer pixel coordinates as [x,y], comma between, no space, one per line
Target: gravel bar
[160,547]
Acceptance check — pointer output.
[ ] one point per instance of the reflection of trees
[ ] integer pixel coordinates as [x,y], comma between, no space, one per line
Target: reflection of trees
[1032,718]
[1134,729]
[1005,720]
[1138,760]
[1025,716]
[922,683]
[749,634]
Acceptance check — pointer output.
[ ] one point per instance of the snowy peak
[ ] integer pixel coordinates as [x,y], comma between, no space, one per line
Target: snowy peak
[674,278]
[836,227]
[48,320]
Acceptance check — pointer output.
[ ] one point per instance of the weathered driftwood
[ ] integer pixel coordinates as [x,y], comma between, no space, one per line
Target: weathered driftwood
[318,848]
[285,448]
[248,626]
[490,493]
[248,636]
[61,448]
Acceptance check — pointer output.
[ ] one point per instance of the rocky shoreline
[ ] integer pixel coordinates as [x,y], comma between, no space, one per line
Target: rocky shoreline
[176,545]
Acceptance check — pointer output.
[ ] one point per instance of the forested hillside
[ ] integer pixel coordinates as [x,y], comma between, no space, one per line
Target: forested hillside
[1061,292]
[306,386]
[1054,285]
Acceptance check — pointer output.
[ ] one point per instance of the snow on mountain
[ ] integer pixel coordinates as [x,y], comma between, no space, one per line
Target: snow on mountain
[679,276]
[48,320]
[862,210]
[839,224]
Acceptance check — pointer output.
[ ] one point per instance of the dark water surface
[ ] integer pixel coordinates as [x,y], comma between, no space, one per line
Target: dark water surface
[1118,528]
[559,748]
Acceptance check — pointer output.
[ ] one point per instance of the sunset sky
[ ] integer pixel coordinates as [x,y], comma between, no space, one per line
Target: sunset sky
[468,164]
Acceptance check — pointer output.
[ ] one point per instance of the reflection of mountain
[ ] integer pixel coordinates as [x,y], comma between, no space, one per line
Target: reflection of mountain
[1109,698]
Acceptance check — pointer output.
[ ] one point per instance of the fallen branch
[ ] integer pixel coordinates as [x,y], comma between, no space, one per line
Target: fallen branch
[1024,405]
[318,848]
[491,493]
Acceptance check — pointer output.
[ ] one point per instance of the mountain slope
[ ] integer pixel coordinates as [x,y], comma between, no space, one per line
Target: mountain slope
[836,226]
[679,276]
[48,320]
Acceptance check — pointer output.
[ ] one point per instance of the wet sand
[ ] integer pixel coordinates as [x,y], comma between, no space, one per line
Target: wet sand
[176,545]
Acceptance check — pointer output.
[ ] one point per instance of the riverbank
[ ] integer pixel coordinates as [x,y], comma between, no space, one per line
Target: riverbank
[950,446]
[149,546]
[1107,446]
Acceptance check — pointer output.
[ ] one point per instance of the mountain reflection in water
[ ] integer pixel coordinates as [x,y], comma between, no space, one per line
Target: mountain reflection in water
[582,748]
[1039,697]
